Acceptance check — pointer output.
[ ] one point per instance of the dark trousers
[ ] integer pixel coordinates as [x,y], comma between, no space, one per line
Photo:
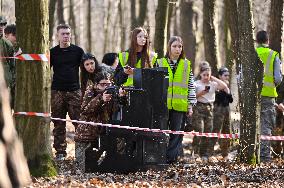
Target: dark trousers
[63,102]
[176,123]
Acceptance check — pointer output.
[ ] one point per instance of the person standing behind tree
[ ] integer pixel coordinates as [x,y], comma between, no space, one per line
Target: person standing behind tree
[7,50]
[137,56]
[65,60]
[272,77]
[202,118]
[181,93]
[221,115]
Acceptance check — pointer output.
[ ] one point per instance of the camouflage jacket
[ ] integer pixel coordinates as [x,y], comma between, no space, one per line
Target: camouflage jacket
[93,109]
[7,50]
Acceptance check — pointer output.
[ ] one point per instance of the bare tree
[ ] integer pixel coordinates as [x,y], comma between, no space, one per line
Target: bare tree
[209,34]
[187,33]
[251,84]
[122,25]
[89,26]
[72,21]
[33,86]
[275,40]
[161,27]
[138,21]
[60,12]
[52,4]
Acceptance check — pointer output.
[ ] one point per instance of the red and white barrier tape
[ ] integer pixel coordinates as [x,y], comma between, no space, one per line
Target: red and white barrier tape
[211,135]
[30,57]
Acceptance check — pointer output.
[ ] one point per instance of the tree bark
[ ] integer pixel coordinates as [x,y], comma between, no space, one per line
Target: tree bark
[60,12]
[133,14]
[275,40]
[13,164]
[251,84]
[122,25]
[72,21]
[186,25]
[209,34]
[170,15]
[89,26]
[33,86]
[161,27]
[106,27]
[52,4]
[142,12]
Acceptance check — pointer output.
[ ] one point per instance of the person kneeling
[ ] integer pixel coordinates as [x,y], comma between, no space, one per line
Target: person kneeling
[97,106]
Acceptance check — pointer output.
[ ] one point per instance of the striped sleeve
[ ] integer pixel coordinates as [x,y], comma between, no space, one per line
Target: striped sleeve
[191,90]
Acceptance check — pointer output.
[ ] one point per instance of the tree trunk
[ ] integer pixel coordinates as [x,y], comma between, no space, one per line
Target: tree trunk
[275,40]
[52,4]
[89,26]
[122,25]
[106,27]
[60,12]
[142,12]
[33,86]
[161,27]
[251,83]
[170,15]
[133,14]
[13,165]
[186,25]
[209,35]
[72,21]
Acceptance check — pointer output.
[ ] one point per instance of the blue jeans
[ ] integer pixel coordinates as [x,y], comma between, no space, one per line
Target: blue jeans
[176,123]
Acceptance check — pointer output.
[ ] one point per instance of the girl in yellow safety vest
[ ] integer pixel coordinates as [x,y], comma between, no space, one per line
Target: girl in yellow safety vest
[181,93]
[137,56]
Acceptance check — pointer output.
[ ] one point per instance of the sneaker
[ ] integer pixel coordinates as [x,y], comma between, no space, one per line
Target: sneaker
[60,157]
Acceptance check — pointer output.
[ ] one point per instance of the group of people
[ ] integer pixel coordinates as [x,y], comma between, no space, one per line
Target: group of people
[204,98]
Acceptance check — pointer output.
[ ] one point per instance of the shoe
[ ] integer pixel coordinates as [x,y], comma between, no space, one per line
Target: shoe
[60,157]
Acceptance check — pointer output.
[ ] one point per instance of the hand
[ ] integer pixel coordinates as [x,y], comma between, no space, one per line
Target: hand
[189,112]
[106,97]
[122,92]
[281,107]
[128,70]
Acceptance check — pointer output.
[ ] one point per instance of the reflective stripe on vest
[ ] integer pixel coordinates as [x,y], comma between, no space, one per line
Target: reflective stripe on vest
[123,58]
[178,84]
[267,57]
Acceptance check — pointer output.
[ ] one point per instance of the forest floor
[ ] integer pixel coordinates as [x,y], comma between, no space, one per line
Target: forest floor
[191,171]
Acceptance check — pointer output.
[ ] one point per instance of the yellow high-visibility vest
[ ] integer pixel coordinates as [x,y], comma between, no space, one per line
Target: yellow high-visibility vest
[123,58]
[178,84]
[267,56]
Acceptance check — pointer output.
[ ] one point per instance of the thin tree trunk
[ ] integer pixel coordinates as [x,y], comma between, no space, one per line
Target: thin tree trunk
[133,14]
[52,4]
[72,21]
[161,27]
[170,15]
[89,26]
[250,86]
[33,86]
[275,40]
[142,12]
[13,164]
[227,40]
[106,27]
[209,34]
[186,25]
[122,25]
[60,12]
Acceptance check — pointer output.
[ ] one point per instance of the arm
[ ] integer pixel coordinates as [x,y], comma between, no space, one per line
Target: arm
[120,77]
[221,85]
[91,103]
[277,71]
[191,94]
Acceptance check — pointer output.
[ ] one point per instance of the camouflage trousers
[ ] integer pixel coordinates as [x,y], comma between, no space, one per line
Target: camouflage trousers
[63,102]
[278,147]
[221,124]
[202,121]
[80,154]
[267,123]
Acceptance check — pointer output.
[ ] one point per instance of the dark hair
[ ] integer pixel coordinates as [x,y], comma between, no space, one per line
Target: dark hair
[109,58]
[10,29]
[262,37]
[62,26]
[222,70]
[103,75]
[145,62]
[85,75]
[171,41]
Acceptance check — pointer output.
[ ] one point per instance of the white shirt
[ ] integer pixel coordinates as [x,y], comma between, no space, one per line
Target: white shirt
[208,97]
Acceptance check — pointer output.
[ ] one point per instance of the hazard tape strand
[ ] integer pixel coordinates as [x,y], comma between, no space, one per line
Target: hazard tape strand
[29,57]
[211,135]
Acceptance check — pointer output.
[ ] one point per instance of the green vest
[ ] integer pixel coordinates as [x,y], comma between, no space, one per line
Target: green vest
[123,58]
[267,56]
[178,84]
